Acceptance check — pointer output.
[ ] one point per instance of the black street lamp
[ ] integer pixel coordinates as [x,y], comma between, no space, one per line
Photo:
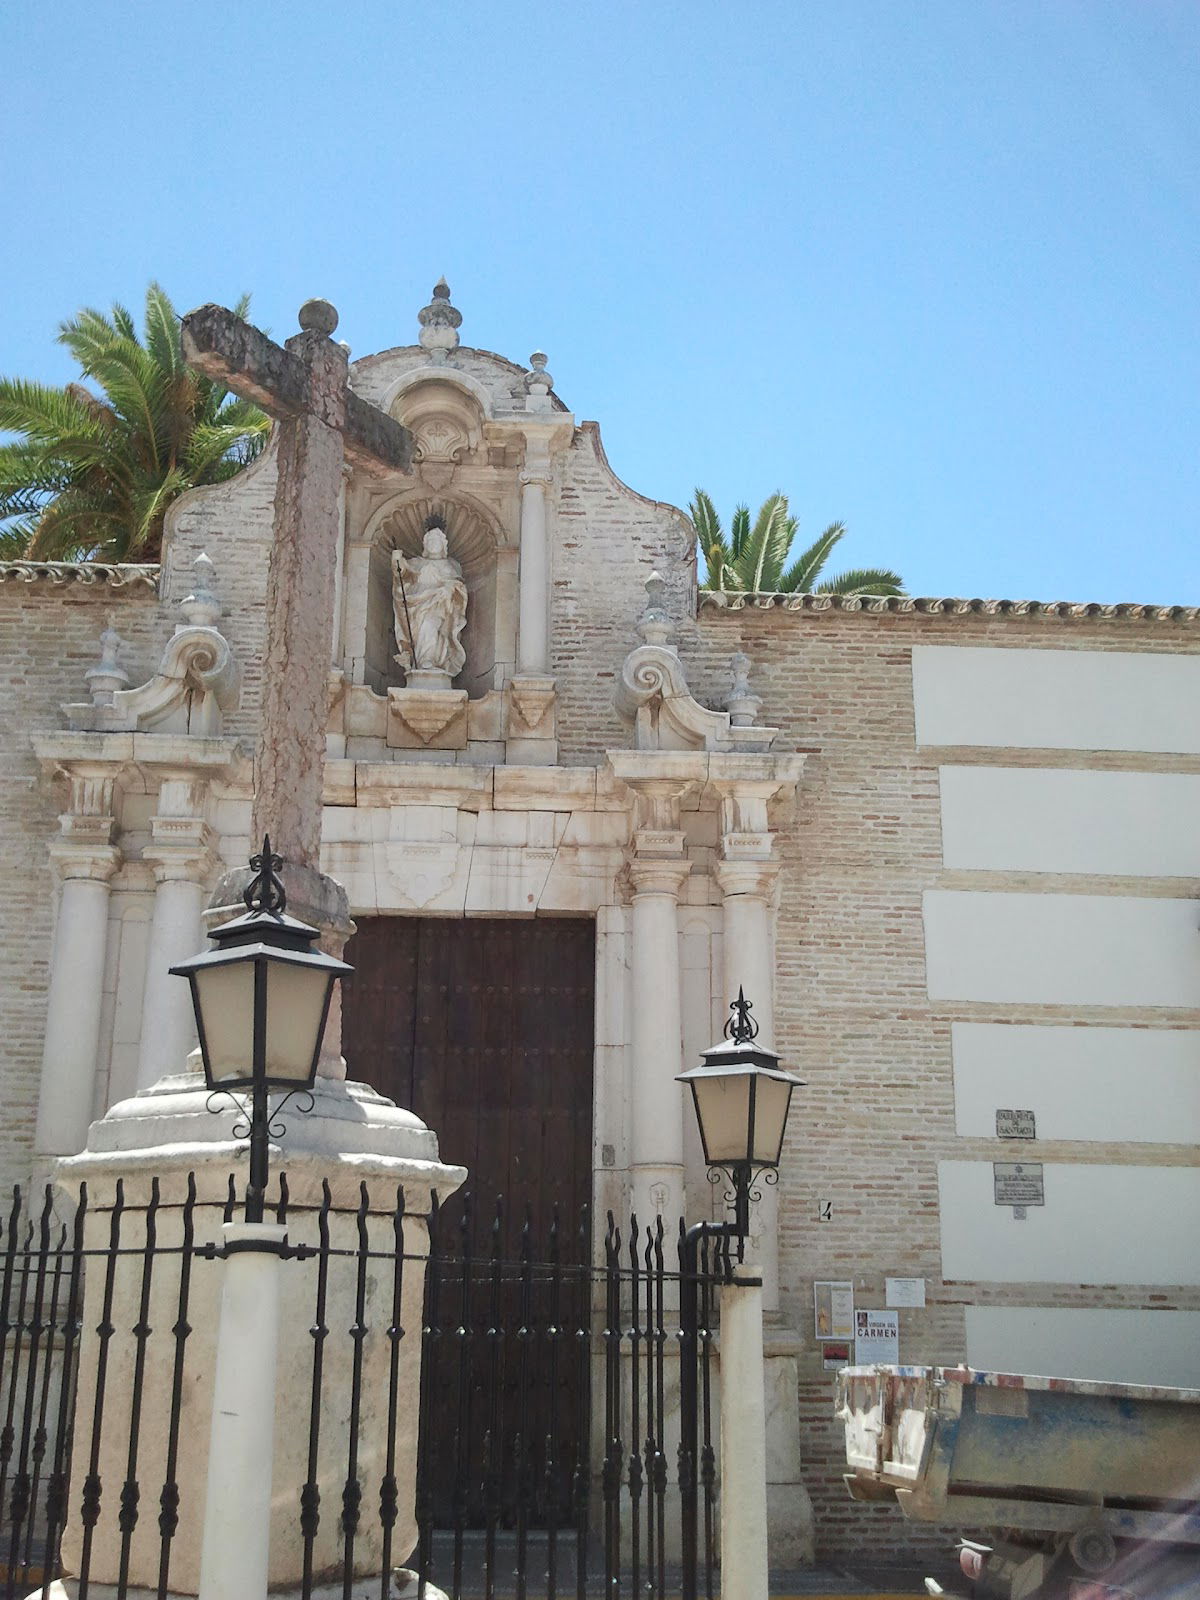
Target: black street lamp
[742,1097]
[261,1000]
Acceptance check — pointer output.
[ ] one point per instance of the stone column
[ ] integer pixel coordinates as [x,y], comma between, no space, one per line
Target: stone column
[656,1109]
[84,859]
[235,1554]
[533,644]
[183,859]
[748,888]
[744,1560]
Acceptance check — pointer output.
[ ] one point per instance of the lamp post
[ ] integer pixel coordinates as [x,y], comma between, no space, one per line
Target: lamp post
[742,1098]
[261,999]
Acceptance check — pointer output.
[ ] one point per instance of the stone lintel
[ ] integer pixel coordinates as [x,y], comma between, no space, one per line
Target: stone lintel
[394,783]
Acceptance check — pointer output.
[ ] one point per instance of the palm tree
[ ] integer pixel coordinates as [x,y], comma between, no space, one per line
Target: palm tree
[753,557]
[91,475]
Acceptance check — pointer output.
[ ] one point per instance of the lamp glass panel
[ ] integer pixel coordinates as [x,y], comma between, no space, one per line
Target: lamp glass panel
[723,1107]
[226,999]
[770,1117]
[295,1010]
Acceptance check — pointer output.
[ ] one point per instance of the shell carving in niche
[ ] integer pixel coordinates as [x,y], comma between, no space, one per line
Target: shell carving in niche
[440,440]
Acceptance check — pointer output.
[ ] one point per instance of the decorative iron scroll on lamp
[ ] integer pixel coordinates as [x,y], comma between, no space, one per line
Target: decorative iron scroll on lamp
[261,1000]
[742,1097]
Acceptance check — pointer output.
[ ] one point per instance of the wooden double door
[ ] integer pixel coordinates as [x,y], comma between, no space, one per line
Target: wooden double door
[485,1029]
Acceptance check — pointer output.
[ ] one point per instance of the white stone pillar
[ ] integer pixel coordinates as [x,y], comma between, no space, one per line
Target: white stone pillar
[744,1559]
[84,859]
[748,889]
[176,933]
[235,1548]
[181,853]
[656,1039]
[533,644]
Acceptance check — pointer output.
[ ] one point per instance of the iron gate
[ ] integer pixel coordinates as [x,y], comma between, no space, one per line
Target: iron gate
[518,1490]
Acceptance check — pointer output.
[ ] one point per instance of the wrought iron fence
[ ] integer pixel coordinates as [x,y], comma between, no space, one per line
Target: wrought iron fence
[550,1456]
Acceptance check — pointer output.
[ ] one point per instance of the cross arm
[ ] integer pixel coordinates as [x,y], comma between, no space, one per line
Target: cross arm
[373,440]
[227,349]
[231,352]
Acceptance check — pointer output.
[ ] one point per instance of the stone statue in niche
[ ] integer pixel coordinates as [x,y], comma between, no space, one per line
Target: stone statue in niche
[429,598]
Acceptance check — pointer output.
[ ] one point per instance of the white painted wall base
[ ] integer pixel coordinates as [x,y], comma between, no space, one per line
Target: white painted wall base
[1107,1085]
[1100,1224]
[1109,1346]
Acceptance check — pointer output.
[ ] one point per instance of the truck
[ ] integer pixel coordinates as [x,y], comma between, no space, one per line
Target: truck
[1059,1488]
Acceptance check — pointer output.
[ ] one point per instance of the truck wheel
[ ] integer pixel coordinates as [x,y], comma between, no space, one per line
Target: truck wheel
[1093,1550]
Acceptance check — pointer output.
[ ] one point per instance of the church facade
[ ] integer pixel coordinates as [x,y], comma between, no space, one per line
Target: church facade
[947,848]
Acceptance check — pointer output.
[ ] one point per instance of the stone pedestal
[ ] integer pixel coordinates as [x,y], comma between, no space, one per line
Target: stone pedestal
[427,718]
[362,1146]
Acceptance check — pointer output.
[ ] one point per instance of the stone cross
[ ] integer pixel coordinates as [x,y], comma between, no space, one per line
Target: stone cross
[322,424]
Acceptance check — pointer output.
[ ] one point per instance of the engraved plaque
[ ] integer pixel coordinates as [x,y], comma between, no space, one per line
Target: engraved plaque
[1018,1183]
[1011,1124]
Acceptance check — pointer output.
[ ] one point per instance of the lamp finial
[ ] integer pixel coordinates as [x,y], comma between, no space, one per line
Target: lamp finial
[265,893]
[741,1027]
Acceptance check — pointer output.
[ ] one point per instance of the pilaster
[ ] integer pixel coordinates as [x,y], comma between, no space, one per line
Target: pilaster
[83,858]
[183,855]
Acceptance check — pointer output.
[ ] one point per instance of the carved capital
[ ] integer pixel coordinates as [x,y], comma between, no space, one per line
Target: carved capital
[182,857]
[181,848]
[93,860]
[754,879]
[658,876]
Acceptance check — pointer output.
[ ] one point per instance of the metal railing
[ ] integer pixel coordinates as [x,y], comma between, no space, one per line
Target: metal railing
[549,1457]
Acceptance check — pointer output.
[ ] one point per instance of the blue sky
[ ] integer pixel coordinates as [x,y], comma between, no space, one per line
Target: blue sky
[930,267]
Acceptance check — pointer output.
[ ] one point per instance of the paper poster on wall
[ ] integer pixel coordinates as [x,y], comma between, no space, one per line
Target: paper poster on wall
[876,1338]
[835,1354]
[833,1310]
[904,1292]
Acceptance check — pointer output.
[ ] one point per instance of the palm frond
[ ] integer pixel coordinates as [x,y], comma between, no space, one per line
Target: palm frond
[41,412]
[863,580]
[803,573]
[770,537]
[739,531]
[162,339]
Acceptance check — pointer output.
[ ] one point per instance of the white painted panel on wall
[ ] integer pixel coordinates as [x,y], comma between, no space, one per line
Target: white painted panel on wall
[1022,819]
[1100,1224]
[1114,1346]
[1131,1085]
[1056,699]
[1062,949]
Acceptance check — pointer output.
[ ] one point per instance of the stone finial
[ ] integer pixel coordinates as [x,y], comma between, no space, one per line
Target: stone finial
[654,624]
[440,323]
[318,316]
[536,384]
[743,705]
[202,608]
[107,676]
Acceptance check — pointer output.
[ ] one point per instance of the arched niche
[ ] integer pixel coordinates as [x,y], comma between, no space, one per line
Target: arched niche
[473,539]
[446,421]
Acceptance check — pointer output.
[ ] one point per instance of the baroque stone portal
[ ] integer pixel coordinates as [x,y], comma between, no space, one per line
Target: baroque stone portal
[429,598]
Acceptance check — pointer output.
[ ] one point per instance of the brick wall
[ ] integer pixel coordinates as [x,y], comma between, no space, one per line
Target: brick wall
[852,1013]
[49,637]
